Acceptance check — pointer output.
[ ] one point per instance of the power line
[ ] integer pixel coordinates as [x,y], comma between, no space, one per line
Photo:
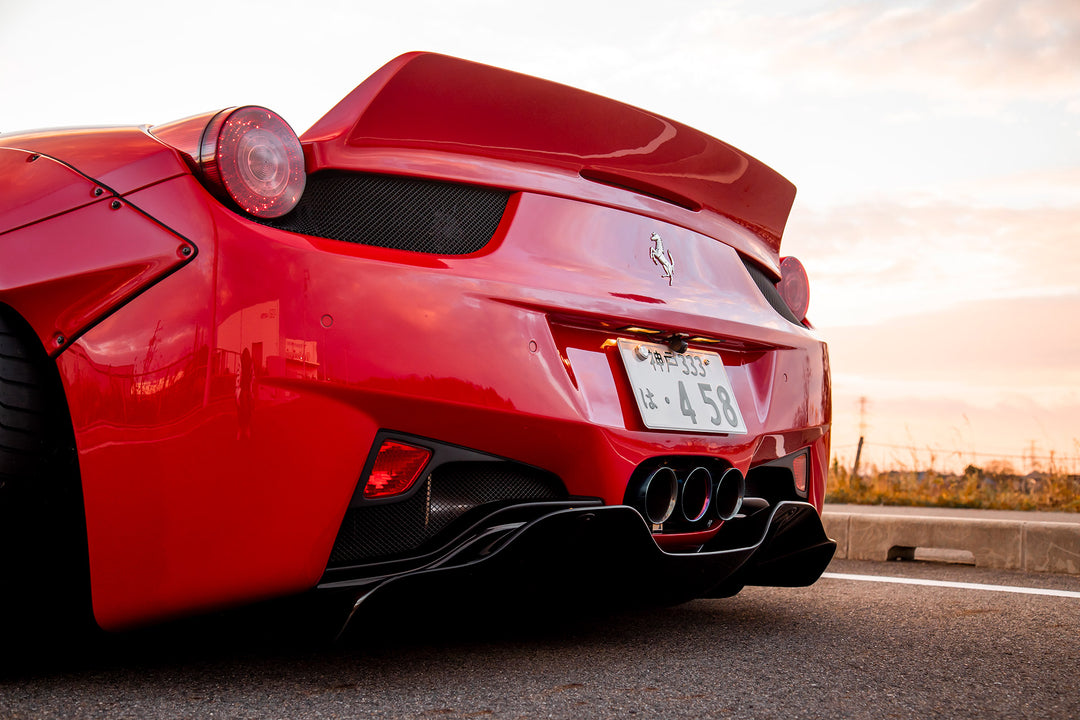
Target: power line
[972,453]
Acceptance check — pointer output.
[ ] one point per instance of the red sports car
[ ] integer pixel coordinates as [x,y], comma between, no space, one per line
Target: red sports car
[472,330]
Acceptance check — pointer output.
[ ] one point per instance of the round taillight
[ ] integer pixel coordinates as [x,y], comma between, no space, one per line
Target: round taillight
[256,158]
[794,286]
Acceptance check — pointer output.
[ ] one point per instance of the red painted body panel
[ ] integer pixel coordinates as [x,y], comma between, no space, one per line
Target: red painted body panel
[95,251]
[120,159]
[37,187]
[194,504]
[64,274]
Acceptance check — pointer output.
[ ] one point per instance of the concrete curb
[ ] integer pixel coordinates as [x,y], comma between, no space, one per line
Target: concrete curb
[1005,544]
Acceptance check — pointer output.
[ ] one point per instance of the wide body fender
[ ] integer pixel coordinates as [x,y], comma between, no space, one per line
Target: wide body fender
[74,249]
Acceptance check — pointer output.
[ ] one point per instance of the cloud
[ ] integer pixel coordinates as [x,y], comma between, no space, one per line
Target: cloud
[1047,186]
[989,377]
[873,261]
[987,348]
[995,46]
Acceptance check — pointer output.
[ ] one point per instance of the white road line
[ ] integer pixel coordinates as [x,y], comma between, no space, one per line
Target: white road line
[960,585]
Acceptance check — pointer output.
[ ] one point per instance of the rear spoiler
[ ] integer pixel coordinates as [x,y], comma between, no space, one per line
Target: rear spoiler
[434,102]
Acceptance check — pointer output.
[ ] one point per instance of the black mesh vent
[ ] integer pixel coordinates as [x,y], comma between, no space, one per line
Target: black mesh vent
[452,490]
[396,212]
[767,286]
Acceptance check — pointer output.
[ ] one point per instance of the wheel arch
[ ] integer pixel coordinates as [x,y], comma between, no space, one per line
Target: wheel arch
[43,546]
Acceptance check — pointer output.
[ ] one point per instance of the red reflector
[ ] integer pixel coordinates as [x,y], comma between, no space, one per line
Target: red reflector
[397,466]
[794,286]
[798,467]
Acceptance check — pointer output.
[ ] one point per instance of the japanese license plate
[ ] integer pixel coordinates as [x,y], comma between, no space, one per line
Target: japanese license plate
[688,391]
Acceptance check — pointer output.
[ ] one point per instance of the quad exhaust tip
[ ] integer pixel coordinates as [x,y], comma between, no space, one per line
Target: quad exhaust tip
[659,494]
[697,495]
[728,496]
[697,490]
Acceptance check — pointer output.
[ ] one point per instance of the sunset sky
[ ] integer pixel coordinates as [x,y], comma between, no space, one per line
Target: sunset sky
[935,145]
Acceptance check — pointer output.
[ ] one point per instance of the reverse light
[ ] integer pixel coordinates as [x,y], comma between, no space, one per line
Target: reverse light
[794,286]
[255,158]
[396,469]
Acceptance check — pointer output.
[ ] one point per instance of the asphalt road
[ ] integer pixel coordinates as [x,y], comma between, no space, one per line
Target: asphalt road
[842,648]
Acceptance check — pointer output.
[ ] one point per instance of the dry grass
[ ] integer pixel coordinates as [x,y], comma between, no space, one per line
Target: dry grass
[995,487]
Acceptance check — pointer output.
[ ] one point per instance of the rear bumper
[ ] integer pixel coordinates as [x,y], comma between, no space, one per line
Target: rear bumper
[509,352]
[604,554]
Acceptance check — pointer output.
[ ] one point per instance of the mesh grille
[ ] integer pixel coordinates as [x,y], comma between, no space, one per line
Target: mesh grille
[452,490]
[396,212]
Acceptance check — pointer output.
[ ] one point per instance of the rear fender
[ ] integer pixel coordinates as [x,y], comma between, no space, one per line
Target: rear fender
[73,251]
[35,187]
[120,159]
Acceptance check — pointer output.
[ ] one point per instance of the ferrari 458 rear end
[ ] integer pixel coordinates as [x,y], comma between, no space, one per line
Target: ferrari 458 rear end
[473,330]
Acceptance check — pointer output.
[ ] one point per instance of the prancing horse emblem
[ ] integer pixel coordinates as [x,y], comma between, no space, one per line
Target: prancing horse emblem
[662,258]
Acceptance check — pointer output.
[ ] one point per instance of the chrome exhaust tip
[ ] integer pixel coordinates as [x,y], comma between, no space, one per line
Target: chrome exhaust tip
[658,495]
[728,497]
[697,490]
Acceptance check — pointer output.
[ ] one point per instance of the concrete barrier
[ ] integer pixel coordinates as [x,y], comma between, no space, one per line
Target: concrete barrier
[1006,544]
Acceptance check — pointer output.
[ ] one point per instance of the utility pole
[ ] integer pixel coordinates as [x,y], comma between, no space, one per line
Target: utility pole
[858,454]
[862,435]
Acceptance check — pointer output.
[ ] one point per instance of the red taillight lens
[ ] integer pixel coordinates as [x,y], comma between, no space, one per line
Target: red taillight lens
[397,466]
[256,158]
[798,468]
[794,286]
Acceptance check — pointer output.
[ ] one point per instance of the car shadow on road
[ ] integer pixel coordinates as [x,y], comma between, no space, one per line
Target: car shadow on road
[306,628]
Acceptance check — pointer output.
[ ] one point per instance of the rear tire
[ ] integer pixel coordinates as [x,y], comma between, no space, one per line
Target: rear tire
[44,574]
